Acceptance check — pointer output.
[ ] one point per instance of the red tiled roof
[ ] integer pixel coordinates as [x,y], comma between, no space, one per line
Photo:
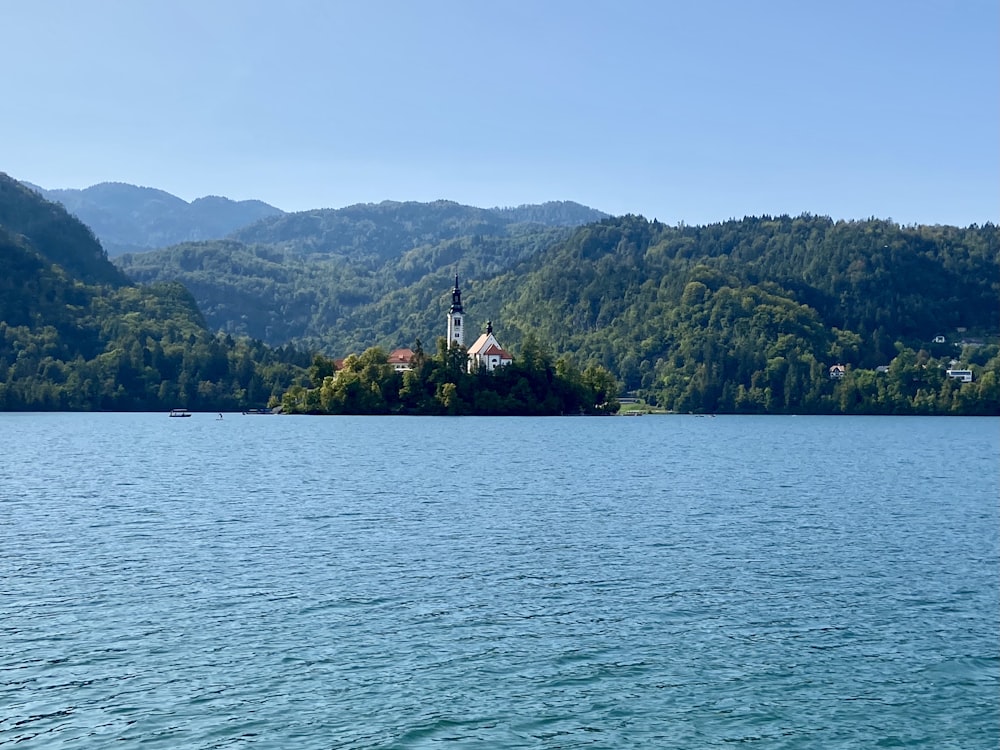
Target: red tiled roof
[401,356]
[495,350]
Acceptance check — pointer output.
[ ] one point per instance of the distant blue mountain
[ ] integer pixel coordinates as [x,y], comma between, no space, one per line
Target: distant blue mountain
[131,219]
[127,218]
[388,229]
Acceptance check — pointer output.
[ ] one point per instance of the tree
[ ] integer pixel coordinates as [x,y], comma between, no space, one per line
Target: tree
[603,388]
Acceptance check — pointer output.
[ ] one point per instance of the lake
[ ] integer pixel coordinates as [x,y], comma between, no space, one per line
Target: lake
[367,582]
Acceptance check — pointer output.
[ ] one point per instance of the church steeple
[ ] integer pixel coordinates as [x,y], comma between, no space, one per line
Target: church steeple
[456,297]
[456,333]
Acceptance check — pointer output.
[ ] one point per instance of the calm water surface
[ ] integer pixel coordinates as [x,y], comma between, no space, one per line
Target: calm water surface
[667,582]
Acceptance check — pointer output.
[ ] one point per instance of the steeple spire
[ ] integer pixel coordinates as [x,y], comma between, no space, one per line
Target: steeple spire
[456,333]
[456,297]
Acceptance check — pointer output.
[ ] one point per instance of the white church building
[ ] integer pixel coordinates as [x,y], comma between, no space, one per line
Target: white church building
[486,352]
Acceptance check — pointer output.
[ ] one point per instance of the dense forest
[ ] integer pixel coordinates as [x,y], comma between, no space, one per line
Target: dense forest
[343,280]
[75,334]
[750,315]
[759,315]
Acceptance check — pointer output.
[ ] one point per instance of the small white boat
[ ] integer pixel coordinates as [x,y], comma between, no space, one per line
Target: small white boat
[180,413]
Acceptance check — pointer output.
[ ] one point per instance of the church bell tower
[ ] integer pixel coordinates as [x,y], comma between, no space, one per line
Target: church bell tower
[455,329]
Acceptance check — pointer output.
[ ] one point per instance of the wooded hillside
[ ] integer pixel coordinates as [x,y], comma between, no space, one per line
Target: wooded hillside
[744,315]
[76,334]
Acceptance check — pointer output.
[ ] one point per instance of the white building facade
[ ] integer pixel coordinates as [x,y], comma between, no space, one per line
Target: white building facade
[486,353]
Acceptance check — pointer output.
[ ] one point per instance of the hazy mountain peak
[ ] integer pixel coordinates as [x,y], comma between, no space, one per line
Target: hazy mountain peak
[132,218]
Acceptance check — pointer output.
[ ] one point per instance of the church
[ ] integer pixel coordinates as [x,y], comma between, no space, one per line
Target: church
[486,352]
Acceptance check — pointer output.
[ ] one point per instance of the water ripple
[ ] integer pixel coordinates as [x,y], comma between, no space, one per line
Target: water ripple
[562,583]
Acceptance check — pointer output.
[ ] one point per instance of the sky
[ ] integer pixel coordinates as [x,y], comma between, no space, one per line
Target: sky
[693,112]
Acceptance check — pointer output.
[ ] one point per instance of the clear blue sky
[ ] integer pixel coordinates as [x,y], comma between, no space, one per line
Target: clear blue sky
[676,110]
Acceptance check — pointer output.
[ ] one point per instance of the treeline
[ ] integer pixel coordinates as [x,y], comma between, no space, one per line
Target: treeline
[749,316]
[534,385]
[755,350]
[741,316]
[123,353]
[916,383]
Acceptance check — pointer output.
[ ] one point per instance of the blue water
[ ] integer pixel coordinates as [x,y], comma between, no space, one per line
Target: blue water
[667,582]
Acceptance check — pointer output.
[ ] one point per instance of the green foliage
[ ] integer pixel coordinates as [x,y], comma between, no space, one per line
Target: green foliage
[137,349]
[748,316]
[438,385]
[330,303]
[351,278]
[72,340]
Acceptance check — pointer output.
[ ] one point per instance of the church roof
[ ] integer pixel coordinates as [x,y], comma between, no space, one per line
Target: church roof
[481,343]
[495,350]
[488,346]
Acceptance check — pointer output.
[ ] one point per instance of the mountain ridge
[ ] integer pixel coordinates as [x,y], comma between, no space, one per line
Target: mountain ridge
[129,218]
[376,232]
[133,218]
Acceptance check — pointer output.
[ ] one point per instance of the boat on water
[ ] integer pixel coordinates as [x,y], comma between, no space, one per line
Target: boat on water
[257,411]
[180,413]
